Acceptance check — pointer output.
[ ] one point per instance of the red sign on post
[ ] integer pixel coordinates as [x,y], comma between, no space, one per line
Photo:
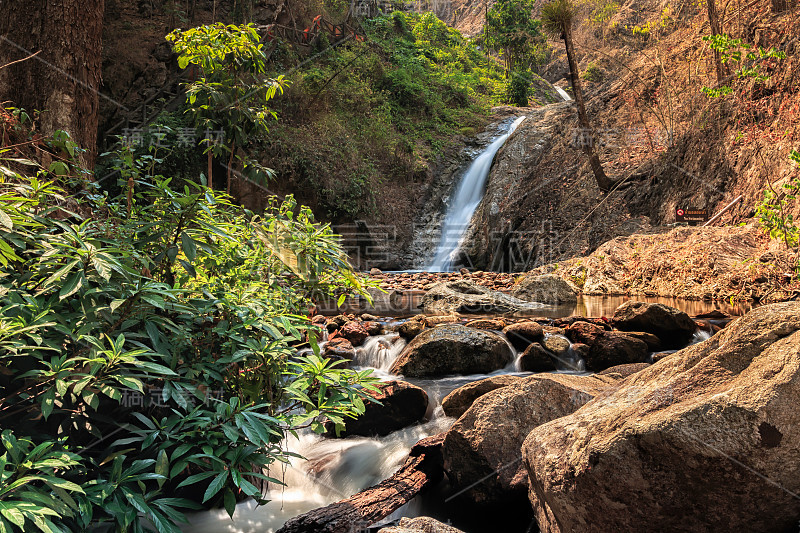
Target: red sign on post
[691,216]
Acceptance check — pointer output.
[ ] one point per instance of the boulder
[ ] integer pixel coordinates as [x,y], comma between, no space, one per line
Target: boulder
[355,332]
[464,296]
[401,404]
[458,401]
[623,371]
[521,334]
[557,345]
[486,439]
[707,439]
[339,348]
[547,288]
[411,328]
[373,328]
[584,332]
[435,320]
[453,349]
[536,359]
[675,328]
[653,342]
[613,348]
[486,323]
[421,524]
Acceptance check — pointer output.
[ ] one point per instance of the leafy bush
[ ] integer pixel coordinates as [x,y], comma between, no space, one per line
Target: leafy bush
[154,332]
[519,85]
[774,211]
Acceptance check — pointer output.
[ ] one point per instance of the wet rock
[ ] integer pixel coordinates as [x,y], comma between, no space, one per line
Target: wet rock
[319,320]
[557,345]
[653,343]
[411,328]
[458,401]
[373,328]
[463,296]
[453,349]
[401,405]
[547,288]
[584,332]
[707,439]
[421,524]
[536,359]
[435,320]
[486,323]
[675,328]
[339,348]
[521,334]
[612,348]
[486,439]
[375,272]
[581,350]
[355,332]
[366,317]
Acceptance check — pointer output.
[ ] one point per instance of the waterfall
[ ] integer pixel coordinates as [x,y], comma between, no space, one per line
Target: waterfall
[464,202]
[563,93]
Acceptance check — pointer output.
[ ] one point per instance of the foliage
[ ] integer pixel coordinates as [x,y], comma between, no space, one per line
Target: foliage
[232,89]
[773,212]
[602,12]
[154,333]
[513,31]
[519,85]
[592,72]
[557,17]
[749,61]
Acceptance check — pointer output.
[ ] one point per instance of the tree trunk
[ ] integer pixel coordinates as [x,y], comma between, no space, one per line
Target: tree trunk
[713,21]
[603,181]
[64,79]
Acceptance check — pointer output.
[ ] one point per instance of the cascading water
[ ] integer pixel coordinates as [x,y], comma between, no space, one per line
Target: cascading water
[561,92]
[464,202]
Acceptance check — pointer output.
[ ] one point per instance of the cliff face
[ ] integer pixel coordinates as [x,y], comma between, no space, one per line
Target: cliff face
[669,144]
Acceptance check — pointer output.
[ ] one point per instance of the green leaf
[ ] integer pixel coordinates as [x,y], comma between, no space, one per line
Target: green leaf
[230,502]
[71,286]
[162,467]
[5,220]
[189,246]
[215,486]
[102,266]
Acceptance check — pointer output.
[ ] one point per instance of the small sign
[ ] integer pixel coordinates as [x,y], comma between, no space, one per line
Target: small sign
[691,215]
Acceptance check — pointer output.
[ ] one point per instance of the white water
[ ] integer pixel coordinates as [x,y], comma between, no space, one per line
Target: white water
[563,93]
[464,202]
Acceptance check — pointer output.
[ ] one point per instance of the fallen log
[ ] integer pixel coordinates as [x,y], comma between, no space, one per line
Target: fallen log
[422,469]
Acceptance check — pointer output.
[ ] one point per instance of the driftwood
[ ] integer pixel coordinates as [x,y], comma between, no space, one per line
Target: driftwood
[422,468]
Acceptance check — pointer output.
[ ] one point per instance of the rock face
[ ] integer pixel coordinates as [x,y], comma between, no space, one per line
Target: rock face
[453,349]
[488,436]
[547,288]
[421,524]
[521,334]
[707,439]
[458,401]
[674,328]
[402,404]
[463,296]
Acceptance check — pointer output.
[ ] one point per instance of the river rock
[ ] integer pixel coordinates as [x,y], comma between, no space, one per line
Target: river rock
[521,334]
[435,320]
[557,345]
[355,332]
[584,332]
[411,328]
[339,348]
[453,349]
[653,342]
[458,401]
[707,439]
[675,328]
[373,328]
[612,348]
[536,359]
[547,288]
[420,524]
[401,404]
[486,323]
[487,438]
[464,296]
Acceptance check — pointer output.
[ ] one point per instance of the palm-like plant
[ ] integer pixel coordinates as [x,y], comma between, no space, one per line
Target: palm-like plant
[557,19]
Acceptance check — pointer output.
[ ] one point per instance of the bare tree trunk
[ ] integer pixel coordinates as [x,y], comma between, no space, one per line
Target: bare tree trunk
[64,79]
[603,181]
[713,21]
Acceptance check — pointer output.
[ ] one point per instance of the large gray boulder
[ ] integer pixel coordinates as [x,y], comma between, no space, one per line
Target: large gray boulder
[453,349]
[486,440]
[464,296]
[705,440]
[546,288]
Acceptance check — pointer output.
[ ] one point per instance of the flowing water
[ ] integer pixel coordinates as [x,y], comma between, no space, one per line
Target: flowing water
[464,202]
[563,94]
